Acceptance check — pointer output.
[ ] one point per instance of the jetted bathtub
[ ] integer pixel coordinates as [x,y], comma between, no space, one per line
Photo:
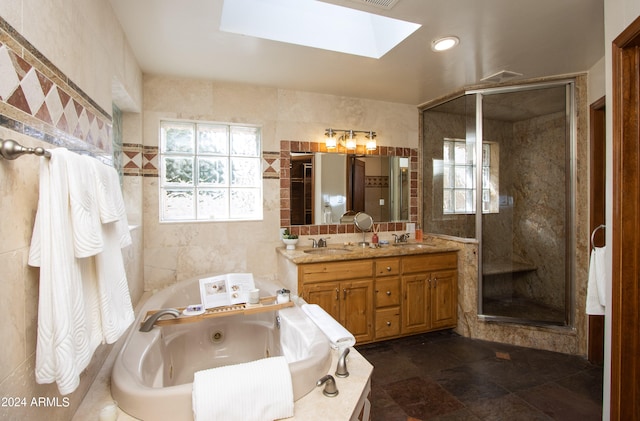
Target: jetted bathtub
[152,375]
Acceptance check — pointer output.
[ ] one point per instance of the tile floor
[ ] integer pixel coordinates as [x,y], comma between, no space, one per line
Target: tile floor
[443,376]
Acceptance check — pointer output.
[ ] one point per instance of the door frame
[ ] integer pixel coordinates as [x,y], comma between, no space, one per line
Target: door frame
[625,264]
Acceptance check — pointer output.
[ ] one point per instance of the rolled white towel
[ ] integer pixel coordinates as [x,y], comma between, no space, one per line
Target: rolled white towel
[337,334]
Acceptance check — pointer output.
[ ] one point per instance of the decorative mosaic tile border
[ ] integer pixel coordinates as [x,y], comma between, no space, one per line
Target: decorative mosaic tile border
[141,160]
[38,100]
[287,146]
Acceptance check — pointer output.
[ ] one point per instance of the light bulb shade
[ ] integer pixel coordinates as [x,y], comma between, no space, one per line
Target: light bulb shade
[351,141]
[371,141]
[330,143]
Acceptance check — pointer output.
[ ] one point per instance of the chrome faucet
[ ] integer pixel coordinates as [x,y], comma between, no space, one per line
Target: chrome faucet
[402,238]
[321,242]
[329,383]
[341,368]
[151,321]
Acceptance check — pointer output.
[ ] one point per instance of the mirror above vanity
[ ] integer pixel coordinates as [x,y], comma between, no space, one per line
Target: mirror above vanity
[320,191]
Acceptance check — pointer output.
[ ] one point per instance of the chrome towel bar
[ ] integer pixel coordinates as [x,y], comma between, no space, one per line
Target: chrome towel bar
[10,149]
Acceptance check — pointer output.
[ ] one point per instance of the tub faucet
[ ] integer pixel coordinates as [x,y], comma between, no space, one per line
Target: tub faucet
[329,383]
[341,368]
[148,324]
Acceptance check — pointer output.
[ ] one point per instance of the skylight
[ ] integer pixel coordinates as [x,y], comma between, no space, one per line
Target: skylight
[316,24]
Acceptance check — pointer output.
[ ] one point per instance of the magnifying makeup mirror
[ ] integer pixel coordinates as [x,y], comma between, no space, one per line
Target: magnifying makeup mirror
[364,222]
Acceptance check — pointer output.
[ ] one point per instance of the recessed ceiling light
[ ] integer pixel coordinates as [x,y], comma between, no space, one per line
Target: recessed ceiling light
[445,43]
[316,24]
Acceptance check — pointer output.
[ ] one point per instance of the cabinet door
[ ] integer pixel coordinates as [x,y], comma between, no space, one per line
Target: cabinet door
[356,308]
[443,298]
[326,295]
[416,303]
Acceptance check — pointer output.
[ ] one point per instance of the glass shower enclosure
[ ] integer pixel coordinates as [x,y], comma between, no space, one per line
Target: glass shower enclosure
[521,177]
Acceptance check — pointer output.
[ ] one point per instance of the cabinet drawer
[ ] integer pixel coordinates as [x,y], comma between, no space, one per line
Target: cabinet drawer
[387,322]
[333,271]
[429,262]
[390,266]
[387,292]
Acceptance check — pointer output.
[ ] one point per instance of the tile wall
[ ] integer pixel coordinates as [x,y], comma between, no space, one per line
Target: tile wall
[41,106]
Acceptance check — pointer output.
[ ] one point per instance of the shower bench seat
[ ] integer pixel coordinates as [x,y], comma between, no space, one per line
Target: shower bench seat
[507,266]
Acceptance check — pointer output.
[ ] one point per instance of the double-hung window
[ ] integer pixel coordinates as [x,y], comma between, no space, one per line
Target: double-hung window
[210,172]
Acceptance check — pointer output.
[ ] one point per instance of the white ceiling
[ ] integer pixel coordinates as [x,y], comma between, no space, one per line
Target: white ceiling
[534,37]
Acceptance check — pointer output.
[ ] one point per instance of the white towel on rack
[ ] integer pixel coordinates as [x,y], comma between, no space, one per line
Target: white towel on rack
[115,300]
[255,391]
[596,285]
[65,340]
[337,334]
[84,297]
[110,201]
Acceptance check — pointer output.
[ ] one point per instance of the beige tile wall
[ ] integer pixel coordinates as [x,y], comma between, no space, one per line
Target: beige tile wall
[58,63]
[175,252]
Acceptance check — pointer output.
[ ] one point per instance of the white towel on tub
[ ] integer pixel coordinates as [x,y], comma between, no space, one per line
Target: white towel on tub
[338,336]
[259,390]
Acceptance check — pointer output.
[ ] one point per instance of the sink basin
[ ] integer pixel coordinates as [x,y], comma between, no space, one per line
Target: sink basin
[324,251]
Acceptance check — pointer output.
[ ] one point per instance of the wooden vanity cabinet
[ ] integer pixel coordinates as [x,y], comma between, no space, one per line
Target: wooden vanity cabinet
[429,292]
[348,297]
[385,297]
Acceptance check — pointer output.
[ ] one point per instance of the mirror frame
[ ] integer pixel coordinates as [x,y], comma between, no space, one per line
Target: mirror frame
[287,146]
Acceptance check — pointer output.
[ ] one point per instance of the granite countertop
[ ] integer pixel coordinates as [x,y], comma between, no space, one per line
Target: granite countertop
[340,252]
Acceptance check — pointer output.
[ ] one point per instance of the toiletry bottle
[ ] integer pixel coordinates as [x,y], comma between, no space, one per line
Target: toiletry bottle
[374,238]
[418,233]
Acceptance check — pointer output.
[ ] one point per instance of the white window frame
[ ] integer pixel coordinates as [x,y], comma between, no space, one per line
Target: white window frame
[196,187]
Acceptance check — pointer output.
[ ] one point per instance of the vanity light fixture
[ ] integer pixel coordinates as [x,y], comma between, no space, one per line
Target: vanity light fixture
[444,43]
[330,143]
[348,139]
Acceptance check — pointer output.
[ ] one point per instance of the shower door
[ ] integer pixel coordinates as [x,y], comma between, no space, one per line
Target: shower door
[525,179]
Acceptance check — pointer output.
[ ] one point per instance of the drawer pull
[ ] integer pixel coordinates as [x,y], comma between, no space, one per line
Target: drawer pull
[389,293]
[388,268]
[388,323]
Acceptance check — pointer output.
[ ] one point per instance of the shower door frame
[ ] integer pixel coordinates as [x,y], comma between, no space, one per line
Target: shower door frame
[570,228]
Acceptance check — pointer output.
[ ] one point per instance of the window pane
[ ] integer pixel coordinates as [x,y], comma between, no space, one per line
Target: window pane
[246,203]
[447,177]
[447,201]
[178,137]
[213,204]
[460,201]
[447,154]
[460,152]
[486,177]
[486,155]
[461,177]
[245,172]
[178,170]
[177,205]
[213,139]
[213,171]
[245,141]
